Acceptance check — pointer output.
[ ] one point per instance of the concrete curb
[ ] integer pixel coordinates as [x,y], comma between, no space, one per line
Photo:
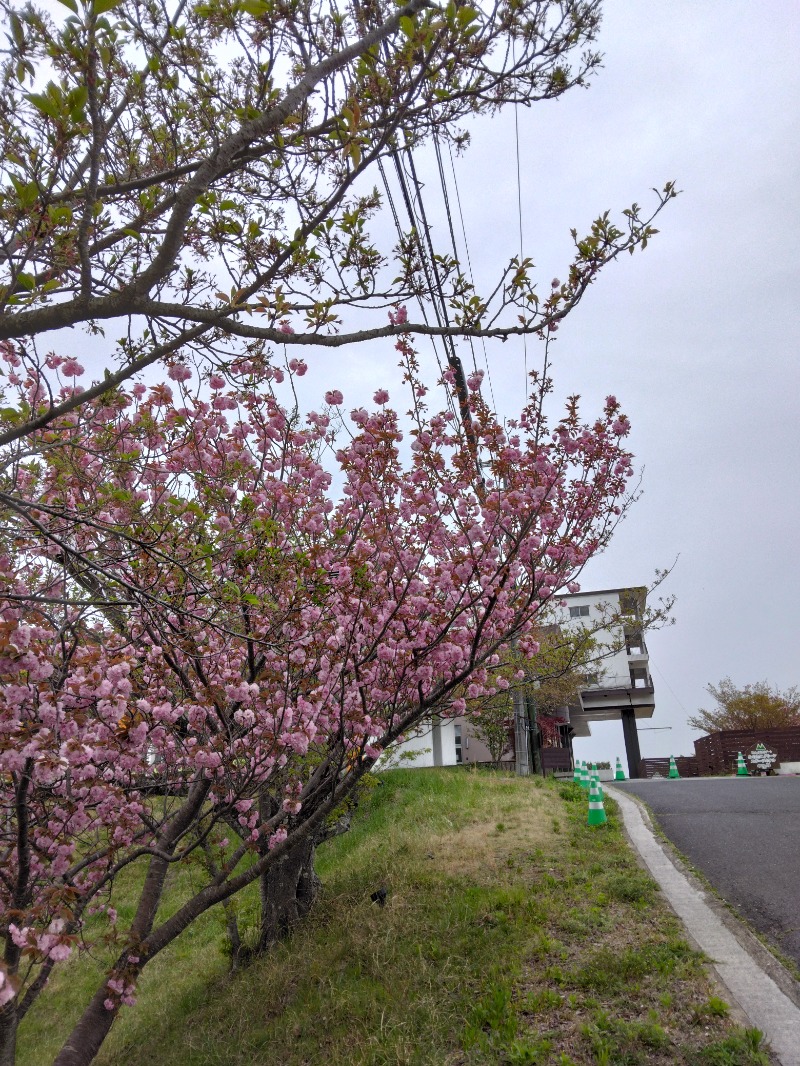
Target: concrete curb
[756,994]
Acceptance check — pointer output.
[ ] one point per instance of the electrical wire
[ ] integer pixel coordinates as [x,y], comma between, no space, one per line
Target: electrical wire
[471,274]
[519,204]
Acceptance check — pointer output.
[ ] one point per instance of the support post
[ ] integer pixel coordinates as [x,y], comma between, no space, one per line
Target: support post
[631,735]
[436,742]
[535,756]
[521,743]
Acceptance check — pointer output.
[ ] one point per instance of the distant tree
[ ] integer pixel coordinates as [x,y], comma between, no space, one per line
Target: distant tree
[757,706]
[493,724]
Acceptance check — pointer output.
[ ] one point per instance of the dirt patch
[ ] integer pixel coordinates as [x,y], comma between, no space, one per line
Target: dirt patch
[483,847]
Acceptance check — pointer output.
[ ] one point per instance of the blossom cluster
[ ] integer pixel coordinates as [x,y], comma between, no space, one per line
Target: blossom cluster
[186,608]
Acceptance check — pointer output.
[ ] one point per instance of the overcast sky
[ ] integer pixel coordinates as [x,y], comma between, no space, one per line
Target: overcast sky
[697,335]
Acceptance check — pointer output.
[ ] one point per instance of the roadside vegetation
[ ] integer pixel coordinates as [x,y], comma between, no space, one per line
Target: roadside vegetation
[509,933]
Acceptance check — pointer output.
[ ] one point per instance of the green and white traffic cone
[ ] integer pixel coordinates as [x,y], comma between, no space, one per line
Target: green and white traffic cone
[597,812]
[741,769]
[619,773]
[673,769]
[584,776]
[576,773]
[596,783]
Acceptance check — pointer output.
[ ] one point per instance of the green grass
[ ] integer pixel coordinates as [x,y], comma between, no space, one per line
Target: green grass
[512,934]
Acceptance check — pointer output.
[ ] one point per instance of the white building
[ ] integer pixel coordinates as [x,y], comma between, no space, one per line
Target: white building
[617,686]
[621,686]
[430,744]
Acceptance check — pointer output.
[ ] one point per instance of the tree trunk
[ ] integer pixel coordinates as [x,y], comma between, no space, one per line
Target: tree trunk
[288,891]
[88,1035]
[8,1034]
[234,940]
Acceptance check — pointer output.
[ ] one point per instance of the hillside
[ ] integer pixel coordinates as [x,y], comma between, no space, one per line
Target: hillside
[511,933]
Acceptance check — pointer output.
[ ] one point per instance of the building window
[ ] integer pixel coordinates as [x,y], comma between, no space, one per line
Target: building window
[579,612]
[457,733]
[591,679]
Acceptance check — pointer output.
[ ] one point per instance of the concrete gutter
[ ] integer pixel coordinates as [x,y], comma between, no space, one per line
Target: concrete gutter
[741,969]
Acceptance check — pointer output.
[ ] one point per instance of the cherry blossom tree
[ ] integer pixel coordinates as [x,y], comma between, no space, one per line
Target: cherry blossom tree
[205,645]
[215,614]
[201,179]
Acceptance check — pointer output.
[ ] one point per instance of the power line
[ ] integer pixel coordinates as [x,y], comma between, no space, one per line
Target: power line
[519,205]
[466,252]
[418,219]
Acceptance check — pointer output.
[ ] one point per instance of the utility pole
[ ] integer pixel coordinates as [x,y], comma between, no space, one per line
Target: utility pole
[522,745]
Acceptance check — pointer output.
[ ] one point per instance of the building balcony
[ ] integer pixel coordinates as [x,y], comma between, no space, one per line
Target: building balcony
[641,681]
[638,655]
[605,698]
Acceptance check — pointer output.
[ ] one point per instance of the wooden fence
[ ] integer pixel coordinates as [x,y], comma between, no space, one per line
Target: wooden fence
[716,753]
[687,767]
[556,760]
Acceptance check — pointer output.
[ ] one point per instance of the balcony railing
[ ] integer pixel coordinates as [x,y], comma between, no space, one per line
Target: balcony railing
[636,650]
[617,681]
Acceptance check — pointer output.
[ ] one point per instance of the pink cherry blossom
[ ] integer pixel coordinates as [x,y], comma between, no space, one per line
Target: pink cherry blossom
[179,372]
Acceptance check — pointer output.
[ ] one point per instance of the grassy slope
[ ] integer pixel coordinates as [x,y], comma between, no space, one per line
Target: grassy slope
[512,934]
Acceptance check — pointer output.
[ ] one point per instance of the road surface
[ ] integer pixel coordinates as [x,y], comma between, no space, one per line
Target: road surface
[744,835]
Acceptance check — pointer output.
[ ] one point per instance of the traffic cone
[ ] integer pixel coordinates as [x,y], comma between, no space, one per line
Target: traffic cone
[741,769]
[584,776]
[619,773]
[596,783]
[576,773]
[673,769]
[597,812]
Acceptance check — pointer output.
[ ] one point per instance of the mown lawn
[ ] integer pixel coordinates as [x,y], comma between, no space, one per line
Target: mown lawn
[511,934]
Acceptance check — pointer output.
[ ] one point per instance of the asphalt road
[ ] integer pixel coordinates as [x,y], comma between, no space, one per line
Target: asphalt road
[744,835]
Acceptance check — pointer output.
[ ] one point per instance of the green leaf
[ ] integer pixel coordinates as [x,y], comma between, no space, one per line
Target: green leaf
[101,6]
[76,102]
[256,8]
[16,30]
[71,5]
[45,104]
[407,26]
[28,192]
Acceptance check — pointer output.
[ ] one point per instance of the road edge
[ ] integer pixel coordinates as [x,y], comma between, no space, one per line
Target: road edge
[754,984]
